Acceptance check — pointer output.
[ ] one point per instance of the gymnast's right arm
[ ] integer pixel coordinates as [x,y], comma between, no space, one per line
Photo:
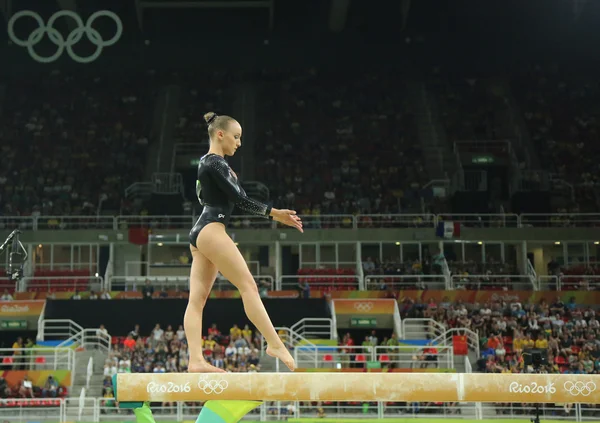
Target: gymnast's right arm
[219,170]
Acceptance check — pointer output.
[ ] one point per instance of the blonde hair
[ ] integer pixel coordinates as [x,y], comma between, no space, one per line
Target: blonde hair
[217,122]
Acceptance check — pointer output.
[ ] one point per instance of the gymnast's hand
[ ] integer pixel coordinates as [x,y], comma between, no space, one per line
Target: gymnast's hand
[288,218]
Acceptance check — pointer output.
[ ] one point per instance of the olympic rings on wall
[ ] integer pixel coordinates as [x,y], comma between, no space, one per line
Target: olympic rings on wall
[57,38]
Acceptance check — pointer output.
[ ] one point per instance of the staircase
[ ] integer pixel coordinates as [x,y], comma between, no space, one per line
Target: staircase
[82,365]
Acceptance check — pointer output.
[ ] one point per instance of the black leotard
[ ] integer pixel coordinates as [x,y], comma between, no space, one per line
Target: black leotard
[219,191]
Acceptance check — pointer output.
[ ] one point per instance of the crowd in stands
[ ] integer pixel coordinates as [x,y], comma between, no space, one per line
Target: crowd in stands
[314,119]
[57,127]
[166,351]
[561,113]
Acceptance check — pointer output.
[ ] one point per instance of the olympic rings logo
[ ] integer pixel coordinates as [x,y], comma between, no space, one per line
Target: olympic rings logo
[363,306]
[213,386]
[57,38]
[580,388]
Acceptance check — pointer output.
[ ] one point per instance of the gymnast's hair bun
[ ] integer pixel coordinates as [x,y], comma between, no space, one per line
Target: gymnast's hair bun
[210,117]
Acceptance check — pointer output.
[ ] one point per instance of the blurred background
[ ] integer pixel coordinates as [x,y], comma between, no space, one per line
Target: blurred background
[443,155]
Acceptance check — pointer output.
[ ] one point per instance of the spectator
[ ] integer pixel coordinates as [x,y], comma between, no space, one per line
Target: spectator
[76,296]
[6,296]
[304,289]
[26,388]
[129,342]
[93,295]
[4,388]
[148,290]
[50,390]
[101,331]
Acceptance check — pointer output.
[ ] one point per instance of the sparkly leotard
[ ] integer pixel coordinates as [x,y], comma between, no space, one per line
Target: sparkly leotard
[219,191]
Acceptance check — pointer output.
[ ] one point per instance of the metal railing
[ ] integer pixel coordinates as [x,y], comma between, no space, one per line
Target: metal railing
[93,410]
[314,327]
[83,283]
[570,282]
[508,282]
[37,359]
[491,220]
[316,356]
[416,357]
[377,282]
[73,335]
[348,281]
[90,373]
[472,339]
[134,283]
[422,328]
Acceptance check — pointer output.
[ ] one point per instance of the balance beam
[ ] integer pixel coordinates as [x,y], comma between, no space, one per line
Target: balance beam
[401,387]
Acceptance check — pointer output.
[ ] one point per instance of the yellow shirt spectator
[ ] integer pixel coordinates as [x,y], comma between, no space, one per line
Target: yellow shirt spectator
[235,332]
[209,344]
[518,344]
[247,333]
[541,343]
[528,343]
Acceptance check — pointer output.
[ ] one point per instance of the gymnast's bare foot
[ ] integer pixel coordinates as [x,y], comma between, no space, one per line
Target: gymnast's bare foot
[203,367]
[282,353]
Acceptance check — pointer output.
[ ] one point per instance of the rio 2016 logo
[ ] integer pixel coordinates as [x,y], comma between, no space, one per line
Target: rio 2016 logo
[167,388]
[531,388]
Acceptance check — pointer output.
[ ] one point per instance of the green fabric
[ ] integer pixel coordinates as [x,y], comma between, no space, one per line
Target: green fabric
[144,414]
[230,411]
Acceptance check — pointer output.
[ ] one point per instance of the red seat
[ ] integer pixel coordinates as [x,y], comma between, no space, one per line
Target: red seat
[361,358]
[40,360]
[7,360]
[384,358]
[327,357]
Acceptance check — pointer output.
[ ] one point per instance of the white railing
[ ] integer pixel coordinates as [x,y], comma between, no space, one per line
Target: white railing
[290,282]
[366,221]
[416,357]
[104,410]
[472,338]
[316,356]
[90,373]
[135,283]
[81,404]
[82,283]
[24,410]
[570,282]
[71,334]
[60,329]
[376,282]
[503,282]
[314,327]
[37,359]
[417,328]
[530,271]
[492,220]
[291,339]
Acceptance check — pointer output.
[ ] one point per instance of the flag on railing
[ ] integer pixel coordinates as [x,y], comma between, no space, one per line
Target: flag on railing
[138,236]
[447,229]
[459,342]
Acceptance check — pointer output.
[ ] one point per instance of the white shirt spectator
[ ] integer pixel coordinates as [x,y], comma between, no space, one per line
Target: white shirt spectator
[181,334]
[6,297]
[243,350]
[157,334]
[230,350]
[110,370]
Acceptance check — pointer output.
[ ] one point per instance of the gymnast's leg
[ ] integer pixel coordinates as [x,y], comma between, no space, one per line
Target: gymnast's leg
[202,278]
[214,243]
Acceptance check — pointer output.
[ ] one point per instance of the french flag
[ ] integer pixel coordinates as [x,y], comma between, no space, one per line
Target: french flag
[448,230]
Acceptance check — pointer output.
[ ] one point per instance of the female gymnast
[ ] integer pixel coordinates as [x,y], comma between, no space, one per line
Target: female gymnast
[219,190]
